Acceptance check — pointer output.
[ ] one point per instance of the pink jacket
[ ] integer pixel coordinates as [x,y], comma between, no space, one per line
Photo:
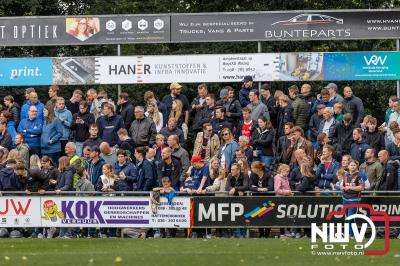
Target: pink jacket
[281,185]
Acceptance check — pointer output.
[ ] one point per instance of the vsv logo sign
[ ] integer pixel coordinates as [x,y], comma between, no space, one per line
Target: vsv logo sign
[375,60]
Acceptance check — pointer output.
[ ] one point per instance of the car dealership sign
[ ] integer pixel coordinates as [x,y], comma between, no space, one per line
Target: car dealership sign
[203,27]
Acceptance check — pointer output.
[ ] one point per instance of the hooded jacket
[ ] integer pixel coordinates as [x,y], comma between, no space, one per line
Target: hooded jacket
[389,178]
[263,141]
[35,180]
[373,170]
[357,150]
[9,181]
[301,111]
[375,139]
[51,135]
[65,179]
[354,106]
[82,130]
[281,185]
[108,127]
[343,135]
[219,124]
[51,174]
[66,124]
[27,105]
[131,173]
[329,104]
[31,129]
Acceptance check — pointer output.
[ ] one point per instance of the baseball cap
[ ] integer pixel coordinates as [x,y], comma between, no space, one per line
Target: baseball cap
[223,93]
[175,85]
[331,86]
[196,159]
[247,78]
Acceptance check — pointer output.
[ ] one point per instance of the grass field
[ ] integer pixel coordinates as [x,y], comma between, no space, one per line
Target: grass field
[98,252]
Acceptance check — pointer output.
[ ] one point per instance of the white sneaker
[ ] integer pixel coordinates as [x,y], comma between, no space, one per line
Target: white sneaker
[284,237]
[298,235]
[157,235]
[40,236]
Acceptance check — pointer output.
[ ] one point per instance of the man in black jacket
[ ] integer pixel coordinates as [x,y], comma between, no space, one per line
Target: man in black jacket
[94,139]
[219,122]
[343,134]
[170,167]
[125,109]
[389,179]
[8,179]
[232,106]
[199,104]
[205,115]
[353,105]
[80,124]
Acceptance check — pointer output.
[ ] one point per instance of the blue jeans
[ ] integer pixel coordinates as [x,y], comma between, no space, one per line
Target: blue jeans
[350,211]
[79,148]
[239,232]
[64,231]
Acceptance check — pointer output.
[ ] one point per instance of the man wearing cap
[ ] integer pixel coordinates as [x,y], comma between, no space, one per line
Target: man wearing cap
[245,90]
[197,176]
[95,165]
[176,89]
[232,106]
[332,87]
[33,101]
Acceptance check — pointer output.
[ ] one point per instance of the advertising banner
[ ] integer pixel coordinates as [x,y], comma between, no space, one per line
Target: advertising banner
[201,27]
[279,211]
[93,212]
[300,66]
[83,30]
[362,66]
[286,25]
[19,211]
[186,68]
[25,71]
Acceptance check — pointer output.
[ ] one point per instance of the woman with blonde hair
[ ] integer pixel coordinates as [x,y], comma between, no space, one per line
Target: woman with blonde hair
[107,179]
[155,115]
[215,169]
[227,149]
[177,112]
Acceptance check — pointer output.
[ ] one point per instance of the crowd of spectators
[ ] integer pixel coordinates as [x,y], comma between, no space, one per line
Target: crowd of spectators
[283,143]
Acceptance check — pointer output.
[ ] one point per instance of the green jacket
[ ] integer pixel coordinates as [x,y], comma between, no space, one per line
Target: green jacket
[301,110]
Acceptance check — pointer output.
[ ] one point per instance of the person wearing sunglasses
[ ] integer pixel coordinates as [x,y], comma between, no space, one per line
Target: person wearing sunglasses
[227,149]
